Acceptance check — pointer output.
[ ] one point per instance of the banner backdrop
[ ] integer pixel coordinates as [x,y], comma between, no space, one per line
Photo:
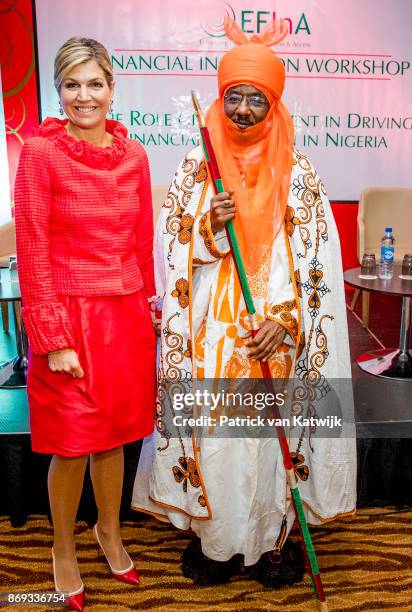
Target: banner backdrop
[348,65]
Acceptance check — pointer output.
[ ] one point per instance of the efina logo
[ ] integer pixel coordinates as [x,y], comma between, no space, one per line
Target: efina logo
[213,16]
[250,20]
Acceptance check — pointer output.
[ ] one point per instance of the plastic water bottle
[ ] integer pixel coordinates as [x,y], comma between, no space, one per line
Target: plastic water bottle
[387,254]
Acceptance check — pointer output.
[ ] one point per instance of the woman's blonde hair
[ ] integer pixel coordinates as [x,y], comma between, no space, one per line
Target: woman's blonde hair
[77,51]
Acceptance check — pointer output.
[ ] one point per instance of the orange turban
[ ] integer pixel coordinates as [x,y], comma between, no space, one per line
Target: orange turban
[256,162]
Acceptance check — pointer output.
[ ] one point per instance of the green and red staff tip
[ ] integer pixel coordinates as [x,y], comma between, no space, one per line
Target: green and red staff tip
[216,178]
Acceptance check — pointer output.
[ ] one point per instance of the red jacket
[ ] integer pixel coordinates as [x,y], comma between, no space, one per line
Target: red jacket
[84,226]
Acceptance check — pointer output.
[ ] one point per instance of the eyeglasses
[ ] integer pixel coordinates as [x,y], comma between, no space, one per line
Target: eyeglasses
[254,100]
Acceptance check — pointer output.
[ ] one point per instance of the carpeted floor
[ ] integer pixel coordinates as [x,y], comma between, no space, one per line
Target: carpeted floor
[365,563]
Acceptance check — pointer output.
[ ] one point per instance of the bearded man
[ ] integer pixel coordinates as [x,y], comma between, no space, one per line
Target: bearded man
[232,492]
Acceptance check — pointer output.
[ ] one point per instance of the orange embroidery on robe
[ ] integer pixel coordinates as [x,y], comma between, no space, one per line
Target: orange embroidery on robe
[298,282]
[182,292]
[188,351]
[291,322]
[283,314]
[187,471]
[301,343]
[238,366]
[205,231]
[288,305]
[258,282]
[201,175]
[316,277]
[185,233]
[200,262]
[280,365]
[290,220]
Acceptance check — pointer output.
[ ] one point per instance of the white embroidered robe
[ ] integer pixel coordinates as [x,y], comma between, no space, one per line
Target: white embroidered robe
[232,492]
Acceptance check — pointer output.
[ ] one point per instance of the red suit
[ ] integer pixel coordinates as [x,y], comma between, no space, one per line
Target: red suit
[84,243]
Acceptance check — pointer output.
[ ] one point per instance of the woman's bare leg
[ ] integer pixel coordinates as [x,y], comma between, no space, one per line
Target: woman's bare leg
[106,470]
[65,483]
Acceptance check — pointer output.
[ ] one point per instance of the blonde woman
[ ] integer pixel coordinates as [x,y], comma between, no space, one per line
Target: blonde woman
[84,242]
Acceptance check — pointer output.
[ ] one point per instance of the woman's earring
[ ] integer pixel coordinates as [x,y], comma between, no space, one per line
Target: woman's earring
[111,107]
[61,108]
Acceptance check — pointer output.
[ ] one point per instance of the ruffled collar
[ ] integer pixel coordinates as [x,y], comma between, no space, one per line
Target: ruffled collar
[103,158]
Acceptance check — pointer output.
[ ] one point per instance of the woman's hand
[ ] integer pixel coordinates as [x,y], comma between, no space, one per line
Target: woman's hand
[266,342]
[65,360]
[222,209]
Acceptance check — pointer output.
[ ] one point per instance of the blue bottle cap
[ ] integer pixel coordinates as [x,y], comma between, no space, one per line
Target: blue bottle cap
[388,230]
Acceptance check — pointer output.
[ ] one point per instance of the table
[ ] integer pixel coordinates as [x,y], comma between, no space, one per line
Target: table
[13,373]
[388,363]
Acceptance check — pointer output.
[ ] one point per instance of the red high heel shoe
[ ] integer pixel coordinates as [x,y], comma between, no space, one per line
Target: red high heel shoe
[74,600]
[128,575]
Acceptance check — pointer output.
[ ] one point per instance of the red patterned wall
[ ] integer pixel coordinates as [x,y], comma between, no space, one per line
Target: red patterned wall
[18,77]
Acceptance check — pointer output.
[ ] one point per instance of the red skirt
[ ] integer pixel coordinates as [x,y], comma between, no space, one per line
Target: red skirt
[114,403]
